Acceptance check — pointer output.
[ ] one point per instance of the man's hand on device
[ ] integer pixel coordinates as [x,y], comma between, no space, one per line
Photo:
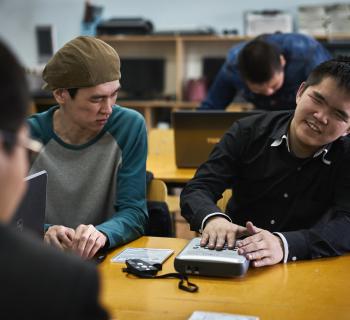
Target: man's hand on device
[262,247]
[219,231]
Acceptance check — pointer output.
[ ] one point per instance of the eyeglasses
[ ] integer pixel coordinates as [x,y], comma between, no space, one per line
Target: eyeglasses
[11,139]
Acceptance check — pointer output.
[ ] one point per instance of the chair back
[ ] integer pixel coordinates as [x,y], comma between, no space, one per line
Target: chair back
[226,196]
[159,223]
[157,191]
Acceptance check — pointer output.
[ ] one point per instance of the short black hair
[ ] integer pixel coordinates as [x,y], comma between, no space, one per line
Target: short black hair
[73,92]
[14,92]
[337,69]
[259,60]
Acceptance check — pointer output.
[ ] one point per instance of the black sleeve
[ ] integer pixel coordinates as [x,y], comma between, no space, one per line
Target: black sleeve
[198,198]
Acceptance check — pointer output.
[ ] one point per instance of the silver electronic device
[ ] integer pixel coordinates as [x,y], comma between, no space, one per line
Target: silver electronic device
[197,260]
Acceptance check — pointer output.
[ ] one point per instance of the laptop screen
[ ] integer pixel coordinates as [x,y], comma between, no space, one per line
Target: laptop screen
[30,214]
[196,133]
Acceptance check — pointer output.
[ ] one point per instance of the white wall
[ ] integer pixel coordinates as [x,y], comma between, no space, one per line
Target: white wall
[18,18]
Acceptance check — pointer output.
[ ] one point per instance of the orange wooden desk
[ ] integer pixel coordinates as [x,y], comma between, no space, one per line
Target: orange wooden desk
[161,157]
[316,289]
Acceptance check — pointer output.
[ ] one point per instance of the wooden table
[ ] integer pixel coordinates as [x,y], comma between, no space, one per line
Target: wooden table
[161,158]
[317,289]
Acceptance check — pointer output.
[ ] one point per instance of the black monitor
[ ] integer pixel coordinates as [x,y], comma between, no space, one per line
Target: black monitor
[142,78]
[211,66]
[45,42]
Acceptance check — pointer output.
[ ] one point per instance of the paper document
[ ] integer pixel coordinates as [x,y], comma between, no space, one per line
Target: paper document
[146,254]
[204,315]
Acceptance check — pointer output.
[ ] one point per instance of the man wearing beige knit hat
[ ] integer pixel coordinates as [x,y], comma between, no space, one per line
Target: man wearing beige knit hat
[94,152]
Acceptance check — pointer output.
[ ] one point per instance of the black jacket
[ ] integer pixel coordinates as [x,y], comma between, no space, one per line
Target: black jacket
[38,282]
[307,200]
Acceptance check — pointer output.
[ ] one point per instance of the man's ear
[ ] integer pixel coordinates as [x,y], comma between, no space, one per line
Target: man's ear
[282,60]
[61,95]
[300,92]
[346,132]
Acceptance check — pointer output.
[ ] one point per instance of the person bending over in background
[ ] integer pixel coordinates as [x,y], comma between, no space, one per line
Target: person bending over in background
[266,71]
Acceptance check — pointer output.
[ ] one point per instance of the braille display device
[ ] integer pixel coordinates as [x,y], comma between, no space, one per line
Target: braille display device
[197,260]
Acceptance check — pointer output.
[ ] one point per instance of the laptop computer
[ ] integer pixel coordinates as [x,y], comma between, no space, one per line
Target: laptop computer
[30,214]
[196,133]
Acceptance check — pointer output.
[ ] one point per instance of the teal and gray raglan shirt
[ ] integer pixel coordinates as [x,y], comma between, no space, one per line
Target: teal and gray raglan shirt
[102,182]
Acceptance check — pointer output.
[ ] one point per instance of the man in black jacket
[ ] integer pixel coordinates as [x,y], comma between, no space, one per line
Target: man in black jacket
[290,176]
[37,282]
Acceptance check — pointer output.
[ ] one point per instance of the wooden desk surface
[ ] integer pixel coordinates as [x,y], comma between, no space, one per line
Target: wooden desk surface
[161,157]
[317,289]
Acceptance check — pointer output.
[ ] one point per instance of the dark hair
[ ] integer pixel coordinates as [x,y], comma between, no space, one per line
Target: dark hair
[259,60]
[337,69]
[14,94]
[73,92]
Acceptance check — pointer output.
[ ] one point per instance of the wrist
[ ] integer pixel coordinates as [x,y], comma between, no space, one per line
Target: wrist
[106,245]
[281,245]
[212,215]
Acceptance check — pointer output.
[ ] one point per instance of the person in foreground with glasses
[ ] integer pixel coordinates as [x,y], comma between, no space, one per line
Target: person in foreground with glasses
[37,282]
[290,177]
